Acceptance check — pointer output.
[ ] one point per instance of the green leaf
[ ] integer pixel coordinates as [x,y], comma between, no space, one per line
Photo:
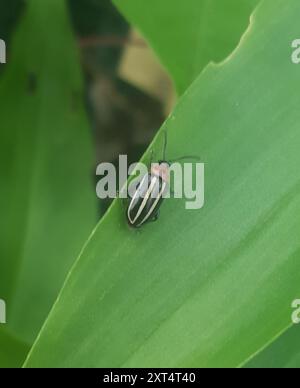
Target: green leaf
[212,287]
[283,353]
[12,351]
[47,203]
[187,35]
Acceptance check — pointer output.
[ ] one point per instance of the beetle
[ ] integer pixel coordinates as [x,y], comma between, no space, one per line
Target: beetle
[148,197]
[145,204]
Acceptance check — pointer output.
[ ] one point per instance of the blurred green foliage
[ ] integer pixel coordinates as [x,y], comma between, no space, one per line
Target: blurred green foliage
[47,203]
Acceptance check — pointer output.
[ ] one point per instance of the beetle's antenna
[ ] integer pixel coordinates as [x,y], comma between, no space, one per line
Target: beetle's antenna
[189,157]
[165,145]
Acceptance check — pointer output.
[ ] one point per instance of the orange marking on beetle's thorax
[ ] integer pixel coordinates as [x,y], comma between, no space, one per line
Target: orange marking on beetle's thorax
[161,170]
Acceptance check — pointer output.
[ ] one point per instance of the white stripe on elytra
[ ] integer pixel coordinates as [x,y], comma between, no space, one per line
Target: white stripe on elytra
[133,199]
[147,196]
[149,192]
[154,204]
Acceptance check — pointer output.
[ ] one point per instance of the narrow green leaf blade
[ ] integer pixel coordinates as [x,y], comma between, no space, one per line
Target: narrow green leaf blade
[187,35]
[201,288]
[47,201]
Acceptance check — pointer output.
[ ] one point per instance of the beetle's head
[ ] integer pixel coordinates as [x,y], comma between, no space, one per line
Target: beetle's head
[161,169]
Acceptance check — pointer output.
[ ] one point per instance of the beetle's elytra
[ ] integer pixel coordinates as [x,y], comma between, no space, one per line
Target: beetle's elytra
[144,205]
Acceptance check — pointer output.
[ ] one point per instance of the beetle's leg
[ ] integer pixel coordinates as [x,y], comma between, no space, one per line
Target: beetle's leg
[156,216]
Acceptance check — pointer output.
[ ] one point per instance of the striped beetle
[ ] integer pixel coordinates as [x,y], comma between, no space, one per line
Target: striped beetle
[145,204]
